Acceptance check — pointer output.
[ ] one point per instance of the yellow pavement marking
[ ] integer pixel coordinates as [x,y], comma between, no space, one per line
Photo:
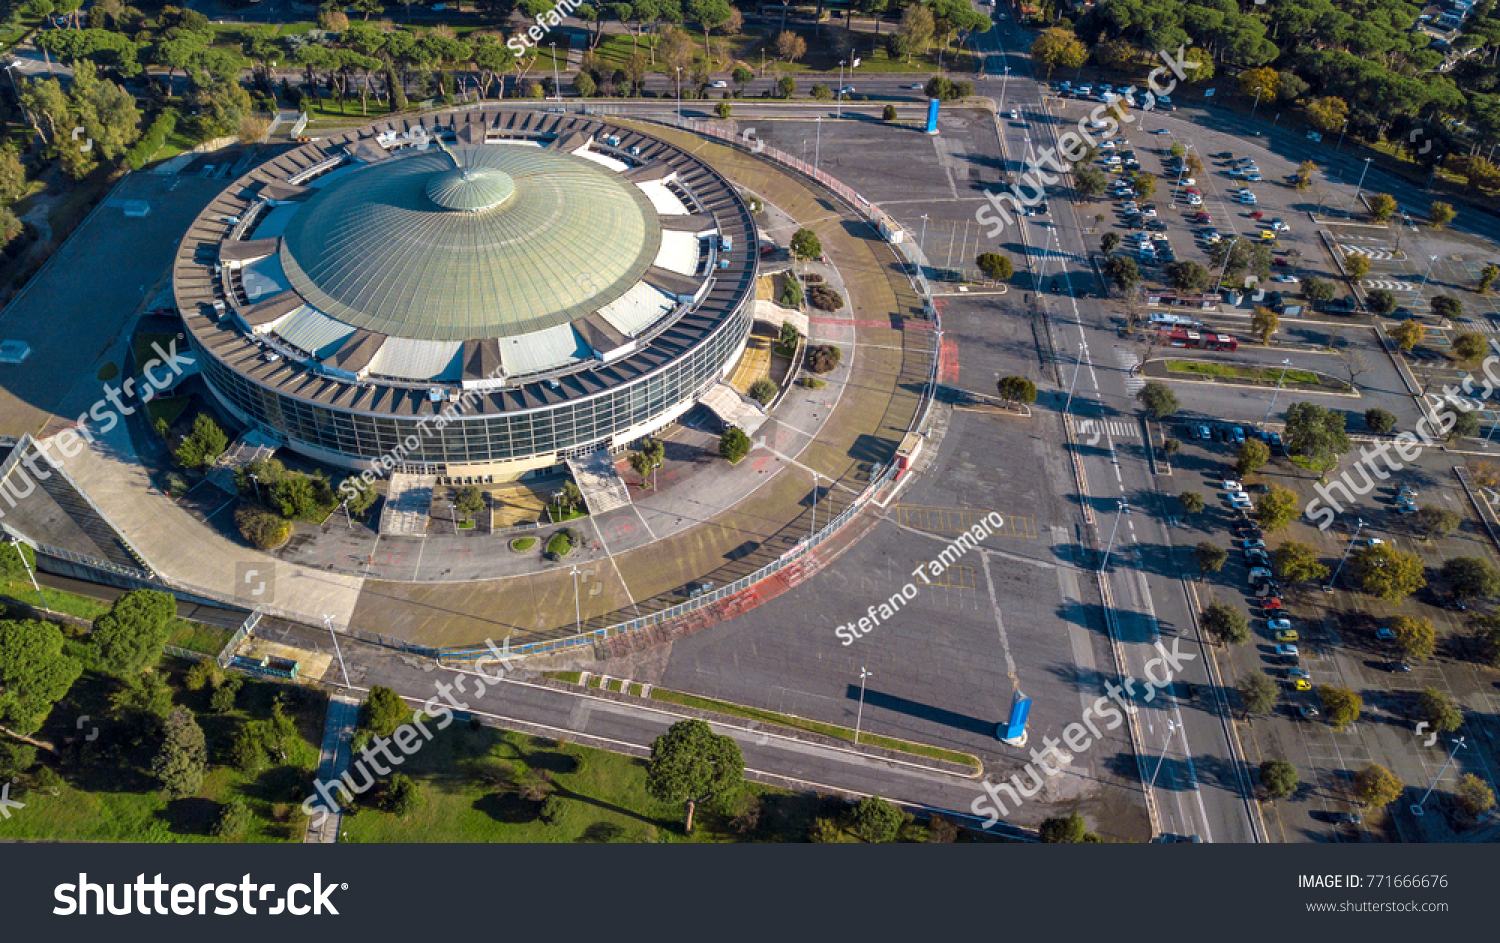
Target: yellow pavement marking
[954,577]
[957,520]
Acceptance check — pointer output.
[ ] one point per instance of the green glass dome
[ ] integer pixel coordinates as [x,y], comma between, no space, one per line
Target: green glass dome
[512,240]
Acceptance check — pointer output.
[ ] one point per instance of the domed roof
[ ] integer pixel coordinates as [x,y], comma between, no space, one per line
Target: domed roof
[470,242]
[469,189]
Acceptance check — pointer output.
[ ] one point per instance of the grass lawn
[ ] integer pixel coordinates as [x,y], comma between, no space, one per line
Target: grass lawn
[1271,375]
[565,516]
[142,346]
[468,778]
[559,545]
[197,637]
[17,586]
[168,409]
[109,794]
[522,544]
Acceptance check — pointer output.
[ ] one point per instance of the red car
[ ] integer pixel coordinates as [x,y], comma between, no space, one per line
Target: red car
[1257,215]
[1281,262]
[1272,603]
[1202,218]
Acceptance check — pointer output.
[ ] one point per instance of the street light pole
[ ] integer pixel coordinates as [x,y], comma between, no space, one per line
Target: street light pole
[1360,185]
[1341,137]
[556,82]
[1359,525]
[1124,509]
[812,528]
[255,480]
[1228,254]
[1285,364]
[679,93]
[817,144]
[859,717]
[1432,261]
[328,620]
[1457,745]
[1258,90]
[1083,347]
[454,517]
[1171,729]
[839,112]
[1004,81]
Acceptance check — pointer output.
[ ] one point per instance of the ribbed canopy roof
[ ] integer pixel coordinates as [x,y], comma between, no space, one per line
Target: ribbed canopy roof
[513,240]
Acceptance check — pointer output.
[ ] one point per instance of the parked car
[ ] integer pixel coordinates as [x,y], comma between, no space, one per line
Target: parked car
[1385,634]
[1286,635]
[1271,603]
[1232,484]
[1307,711]
[1241,500]
[1279,623]
[1298,673]
[1259,572]
[1287,652]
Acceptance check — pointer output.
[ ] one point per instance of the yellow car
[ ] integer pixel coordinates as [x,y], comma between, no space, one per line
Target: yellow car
[1301,684]
[1268,235]
[1286,635]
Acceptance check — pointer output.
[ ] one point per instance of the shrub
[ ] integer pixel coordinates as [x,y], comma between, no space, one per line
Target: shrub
[261,529]
[889,114]
[824,298]
[1016,390]
[812,383]
[763,391]
[823,358]
[876,820]
[222,700]
[791,293]
[994,265]
[234,818]
[1380,420]
[734,445]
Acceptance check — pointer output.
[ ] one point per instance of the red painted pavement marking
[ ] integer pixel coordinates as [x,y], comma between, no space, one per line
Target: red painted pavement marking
[903,325]
[948,362]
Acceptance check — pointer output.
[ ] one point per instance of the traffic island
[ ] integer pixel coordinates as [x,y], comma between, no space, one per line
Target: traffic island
[1245,375]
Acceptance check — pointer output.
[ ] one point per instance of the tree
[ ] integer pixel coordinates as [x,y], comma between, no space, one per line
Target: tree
[204,444]
[1487,277]
[733,445]
[1316,434]
[1470,577]
[805,245]
[1069,830]
[402,796]
[1058,49]
[1262,82]
[1263,323]
[1377,787]
[1380,420]
[1382,206]
[1297,562]
[12,174]
[1447,307]
[261,529]
[223,698]
[1188,276]
[790,46]
[821,358]
[1304,175]
[1465,425]
[994,265]
[1381,302]
[786,86]
[1415,637]
[1123,271]
[821,92]
[1318,290]
[1192,501]
[1388,573]
[234,818]
[469,502]
[1481,174]
[692,764]
[888,113]
[723,110]
[1090,182]
[1258,693]
[1158,399]
[1342,704]
[876,820]
[1226,624]
[1211,558]
[916,28]
[1487,639]
[1408,334]
[183,757]
[1145,185]
[1253,454]
[1474,796]
[1358,267]
[1438,522]
[763,390]
[1016,390]
[1276,508]
[34,673]
[1440,713]
[129,638]
[586,87]
[1172,446]
[1279,777]
[651,455]
[383,711]
[1109,242]
[1470,347]
[1328,114]
[1440,214]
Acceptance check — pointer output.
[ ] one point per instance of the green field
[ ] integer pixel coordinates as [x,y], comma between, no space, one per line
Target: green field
[108,793]
[197,637]
[469,779]
[1268,375]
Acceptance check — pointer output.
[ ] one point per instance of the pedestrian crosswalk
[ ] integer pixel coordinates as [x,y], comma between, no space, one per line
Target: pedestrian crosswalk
[1373,253]
[1388,284]
[1092,430]
[1130,360]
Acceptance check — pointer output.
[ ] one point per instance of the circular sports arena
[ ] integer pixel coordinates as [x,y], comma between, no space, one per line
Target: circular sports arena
[480,293]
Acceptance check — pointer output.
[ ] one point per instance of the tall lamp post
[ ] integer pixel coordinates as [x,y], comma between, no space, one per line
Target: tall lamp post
[328,620]
[1083,347]
[839,107]
[1228,254]
[1124,510]
[1171,729]
[817,144]
[1341,137]
[679,93]
[1359,186]
[1258,90]
[1285,365]
[1457,745]
[556,82]
[1432,260]
[859,717]
[1359,526]
[577,606]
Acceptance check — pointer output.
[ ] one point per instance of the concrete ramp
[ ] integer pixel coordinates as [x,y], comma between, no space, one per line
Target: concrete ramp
[602,487]
[733,408]
[408,505]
